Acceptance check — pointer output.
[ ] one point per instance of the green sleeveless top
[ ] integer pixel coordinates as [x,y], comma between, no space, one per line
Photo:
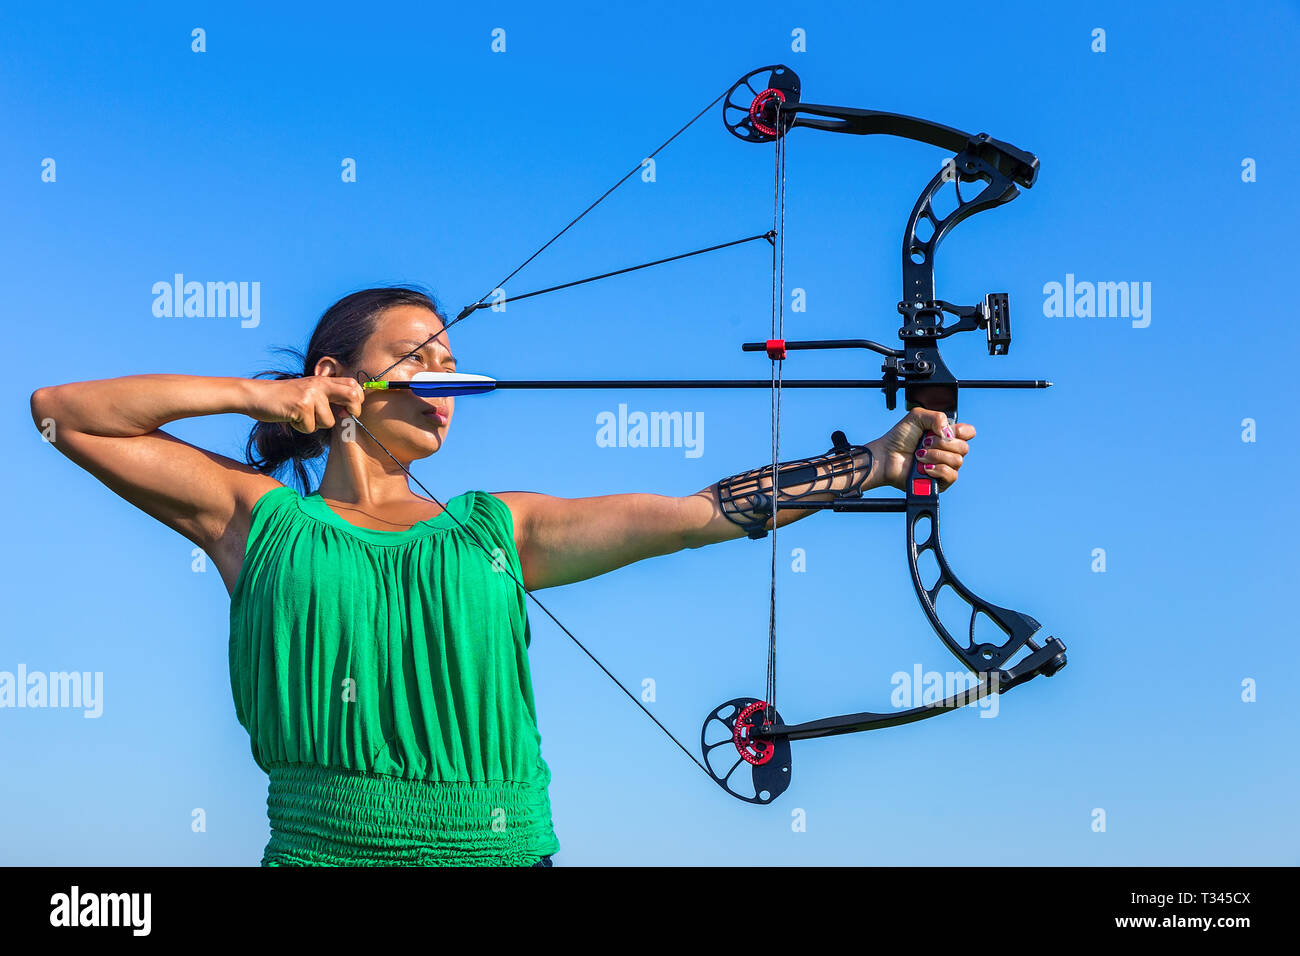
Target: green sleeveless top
[383,679]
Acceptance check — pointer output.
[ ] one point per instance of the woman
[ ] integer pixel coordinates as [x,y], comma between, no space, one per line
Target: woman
[378,653]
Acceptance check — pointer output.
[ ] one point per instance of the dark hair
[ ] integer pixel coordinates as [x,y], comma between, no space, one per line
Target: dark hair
[341,333]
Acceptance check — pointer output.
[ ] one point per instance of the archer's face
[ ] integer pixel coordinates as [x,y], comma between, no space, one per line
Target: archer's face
[408,339]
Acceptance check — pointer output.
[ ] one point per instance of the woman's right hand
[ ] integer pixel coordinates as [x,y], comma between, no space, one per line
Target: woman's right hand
[307,404]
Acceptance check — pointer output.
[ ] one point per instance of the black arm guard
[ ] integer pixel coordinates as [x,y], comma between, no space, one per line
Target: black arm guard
[746,498]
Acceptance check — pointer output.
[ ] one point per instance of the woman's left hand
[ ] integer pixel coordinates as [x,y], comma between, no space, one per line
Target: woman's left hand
[942,447]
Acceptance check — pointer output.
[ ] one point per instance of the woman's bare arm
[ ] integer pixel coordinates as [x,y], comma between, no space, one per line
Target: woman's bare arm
[112,428]
[563,540]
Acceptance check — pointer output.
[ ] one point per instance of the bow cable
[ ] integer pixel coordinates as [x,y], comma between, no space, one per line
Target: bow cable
[469,310]
[533,597]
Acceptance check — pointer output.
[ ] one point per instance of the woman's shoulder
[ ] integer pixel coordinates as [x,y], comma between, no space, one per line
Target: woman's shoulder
[274,499]
[489,508]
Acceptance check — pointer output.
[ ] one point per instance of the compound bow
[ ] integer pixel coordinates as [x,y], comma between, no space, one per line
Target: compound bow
[763,107]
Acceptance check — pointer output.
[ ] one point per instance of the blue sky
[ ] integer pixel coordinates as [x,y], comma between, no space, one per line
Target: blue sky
[1153,449]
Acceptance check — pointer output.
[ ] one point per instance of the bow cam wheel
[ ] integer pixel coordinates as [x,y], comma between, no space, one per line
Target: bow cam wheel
[752,109]
[739,758]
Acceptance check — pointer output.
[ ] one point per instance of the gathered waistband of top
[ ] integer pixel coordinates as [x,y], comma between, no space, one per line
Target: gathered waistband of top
[323,816]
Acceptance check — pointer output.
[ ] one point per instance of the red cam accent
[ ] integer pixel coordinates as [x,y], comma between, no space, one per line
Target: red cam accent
[751,750]
[776,349]
[921,486]
[756,108]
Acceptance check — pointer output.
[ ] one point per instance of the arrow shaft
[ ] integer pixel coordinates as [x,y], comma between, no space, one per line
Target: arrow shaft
[721,383]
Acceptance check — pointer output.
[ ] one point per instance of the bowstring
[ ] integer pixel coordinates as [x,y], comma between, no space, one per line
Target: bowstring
[470,310]
[469,532]
[778,332]
[605,195]
[778,283]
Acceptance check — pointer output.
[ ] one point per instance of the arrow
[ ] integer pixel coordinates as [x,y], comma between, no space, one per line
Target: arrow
[434,384]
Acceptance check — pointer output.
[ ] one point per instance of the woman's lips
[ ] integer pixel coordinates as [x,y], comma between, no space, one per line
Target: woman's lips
[439,416]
